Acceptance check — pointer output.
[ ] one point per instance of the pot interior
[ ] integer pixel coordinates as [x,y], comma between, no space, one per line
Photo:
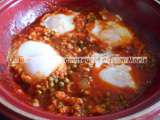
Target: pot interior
[140,15]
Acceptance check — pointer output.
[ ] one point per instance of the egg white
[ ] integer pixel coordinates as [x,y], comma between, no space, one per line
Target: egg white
[118,75]
[59,23]
[111,32]
[40,59]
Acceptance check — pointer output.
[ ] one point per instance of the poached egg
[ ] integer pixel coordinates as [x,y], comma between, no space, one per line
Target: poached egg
[112,33]
[59,23]
[118,75]
[40,59]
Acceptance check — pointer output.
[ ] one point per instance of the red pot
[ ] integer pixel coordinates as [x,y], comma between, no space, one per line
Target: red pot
[142,15]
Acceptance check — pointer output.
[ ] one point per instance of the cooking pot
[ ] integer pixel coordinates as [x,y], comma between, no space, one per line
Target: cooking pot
[142,15]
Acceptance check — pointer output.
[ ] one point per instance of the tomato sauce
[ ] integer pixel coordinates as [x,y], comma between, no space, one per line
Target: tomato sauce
[81,92]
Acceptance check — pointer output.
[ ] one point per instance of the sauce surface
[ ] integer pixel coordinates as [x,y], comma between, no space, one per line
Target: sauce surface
[76,89]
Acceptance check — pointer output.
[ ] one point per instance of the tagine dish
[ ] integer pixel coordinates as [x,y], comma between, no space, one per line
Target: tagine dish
[39,61]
